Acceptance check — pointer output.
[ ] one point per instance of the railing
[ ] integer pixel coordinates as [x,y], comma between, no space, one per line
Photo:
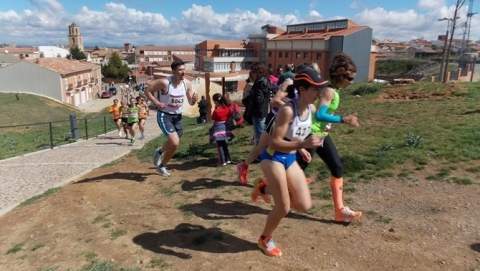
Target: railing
[25,138]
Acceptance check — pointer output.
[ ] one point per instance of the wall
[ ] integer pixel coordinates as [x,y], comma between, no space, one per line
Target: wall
[358,46]
[31,78]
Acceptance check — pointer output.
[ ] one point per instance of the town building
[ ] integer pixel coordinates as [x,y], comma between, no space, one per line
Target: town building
[69,81]
[27,53]
[319,42]
[226,55]
[75,38]
[161,55]
[268,32]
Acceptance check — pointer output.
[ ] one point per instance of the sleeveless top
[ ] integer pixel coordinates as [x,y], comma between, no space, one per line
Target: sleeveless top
[321,128]
[174,97]
[299,129]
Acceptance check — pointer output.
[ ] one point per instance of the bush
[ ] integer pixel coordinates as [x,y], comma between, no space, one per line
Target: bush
[364,88]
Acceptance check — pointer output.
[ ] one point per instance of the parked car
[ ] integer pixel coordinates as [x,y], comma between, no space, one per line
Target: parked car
[106,95]
[113,90]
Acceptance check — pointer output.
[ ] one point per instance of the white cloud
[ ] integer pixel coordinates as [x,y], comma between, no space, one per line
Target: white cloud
[431,4]
[115,23]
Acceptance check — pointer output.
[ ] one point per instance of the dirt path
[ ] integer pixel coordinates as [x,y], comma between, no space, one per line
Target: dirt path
[201,219]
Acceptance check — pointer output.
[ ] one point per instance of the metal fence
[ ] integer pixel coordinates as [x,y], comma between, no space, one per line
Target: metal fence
[20,139]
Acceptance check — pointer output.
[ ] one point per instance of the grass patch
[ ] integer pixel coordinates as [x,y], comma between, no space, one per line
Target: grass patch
[90,256]
[473,169]
[114,234]
[106,266]
[461,181]
[167,191]
[37,246]
[16,248]
[34,199]
[158,263]
[101,218]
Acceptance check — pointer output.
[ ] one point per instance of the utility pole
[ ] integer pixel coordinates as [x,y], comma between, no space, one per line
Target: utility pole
[444,57]
[458,6]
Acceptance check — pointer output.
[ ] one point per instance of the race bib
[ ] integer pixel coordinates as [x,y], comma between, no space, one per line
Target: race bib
[176,102]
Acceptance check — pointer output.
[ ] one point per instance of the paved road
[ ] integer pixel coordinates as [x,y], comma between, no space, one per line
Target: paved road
[32,174]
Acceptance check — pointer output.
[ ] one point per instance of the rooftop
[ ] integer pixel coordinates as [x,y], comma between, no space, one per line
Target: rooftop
[65,66]
[18,50]
[324,35]
[166,48]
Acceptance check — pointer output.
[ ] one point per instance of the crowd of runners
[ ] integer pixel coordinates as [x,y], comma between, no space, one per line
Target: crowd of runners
[291,112]
[130,114]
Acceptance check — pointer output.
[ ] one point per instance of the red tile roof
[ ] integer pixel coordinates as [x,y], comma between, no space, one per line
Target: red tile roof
[320,35]
[167,48]
[18,50]
[184,58]
[65,66]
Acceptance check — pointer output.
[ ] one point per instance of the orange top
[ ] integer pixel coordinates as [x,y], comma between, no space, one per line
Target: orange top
[115,110]
[143,111]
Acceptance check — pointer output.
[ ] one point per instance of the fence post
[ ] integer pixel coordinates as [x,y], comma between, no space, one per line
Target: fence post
[50,128]
[105,124]
[74,126]
[86,129]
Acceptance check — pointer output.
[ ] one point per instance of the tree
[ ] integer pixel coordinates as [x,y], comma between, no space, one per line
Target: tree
[76,53]
[115,68]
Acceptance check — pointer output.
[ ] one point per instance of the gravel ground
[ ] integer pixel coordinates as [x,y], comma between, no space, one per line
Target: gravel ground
[32,174]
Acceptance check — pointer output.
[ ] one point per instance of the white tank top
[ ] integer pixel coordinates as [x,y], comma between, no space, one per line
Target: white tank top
[299,129]
[174,97]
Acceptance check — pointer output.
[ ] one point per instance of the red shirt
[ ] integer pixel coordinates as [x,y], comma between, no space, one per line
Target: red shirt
[221,113]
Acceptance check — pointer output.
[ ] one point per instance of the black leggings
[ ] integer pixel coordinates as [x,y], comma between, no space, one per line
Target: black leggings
[329,155]
[223,153]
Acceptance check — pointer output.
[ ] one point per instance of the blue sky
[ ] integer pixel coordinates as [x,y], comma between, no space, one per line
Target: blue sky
[113,22]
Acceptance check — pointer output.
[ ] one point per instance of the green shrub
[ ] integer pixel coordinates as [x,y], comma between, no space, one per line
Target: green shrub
[365,88]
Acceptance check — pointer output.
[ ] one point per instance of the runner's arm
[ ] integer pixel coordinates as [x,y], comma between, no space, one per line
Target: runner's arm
[322,114]
[191,94]
[152,87]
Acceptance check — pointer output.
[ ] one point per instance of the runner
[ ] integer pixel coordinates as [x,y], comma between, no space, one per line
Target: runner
[132,119]
[143,113]
[124,114]
[116,116]
[342,72]
[168,95]
[287,182]
[280,98]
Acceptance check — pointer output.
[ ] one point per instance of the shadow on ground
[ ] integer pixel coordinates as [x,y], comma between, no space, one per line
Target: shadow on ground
[193,164]
[129,176]
[208,183]
[192,237]
[217,208]
[475,247]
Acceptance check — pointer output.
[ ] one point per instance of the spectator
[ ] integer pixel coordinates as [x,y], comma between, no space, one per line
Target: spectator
[260,99]
[220,116]
[203,110]
[287,74]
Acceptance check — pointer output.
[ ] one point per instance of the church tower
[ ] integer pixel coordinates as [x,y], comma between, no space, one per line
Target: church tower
[74,37]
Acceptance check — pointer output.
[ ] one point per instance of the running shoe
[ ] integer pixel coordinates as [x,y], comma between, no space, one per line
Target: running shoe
[132,141]
[142,137]
[347,215]
[120,134]
[259,190]
[157,157]
[242,171]
[163,171]
[269,248]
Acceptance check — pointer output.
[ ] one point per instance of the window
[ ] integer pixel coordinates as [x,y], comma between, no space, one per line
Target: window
[297,55]
[319,55]
[280,54]
[305,55]
[286,54]
[270,54]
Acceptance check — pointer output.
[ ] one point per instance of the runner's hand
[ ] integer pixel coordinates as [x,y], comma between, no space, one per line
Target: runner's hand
[160,105]
[312,142]
[352,120]
[306,156]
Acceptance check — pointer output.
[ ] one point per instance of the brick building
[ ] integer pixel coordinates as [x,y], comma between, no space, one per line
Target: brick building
[162,55]
[319,42]
[225,55]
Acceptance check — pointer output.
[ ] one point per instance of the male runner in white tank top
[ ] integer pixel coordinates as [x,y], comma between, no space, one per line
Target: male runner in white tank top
[168,95]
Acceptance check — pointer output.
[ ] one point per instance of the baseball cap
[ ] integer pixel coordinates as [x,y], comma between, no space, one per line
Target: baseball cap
[311,76]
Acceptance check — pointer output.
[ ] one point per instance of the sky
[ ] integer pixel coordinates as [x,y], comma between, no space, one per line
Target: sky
[162,22]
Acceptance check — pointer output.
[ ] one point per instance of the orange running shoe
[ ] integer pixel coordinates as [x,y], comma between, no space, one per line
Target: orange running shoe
[268,247]
[347,215]
[242,171]
[259,190]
